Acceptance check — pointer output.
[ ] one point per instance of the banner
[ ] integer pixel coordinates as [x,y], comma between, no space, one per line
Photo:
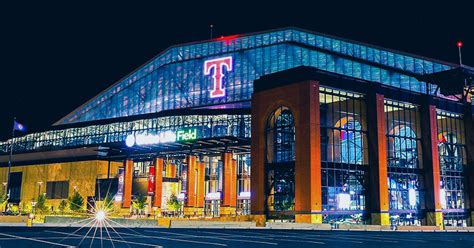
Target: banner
[151,180]
[184,178]
[220,175]
[121,178]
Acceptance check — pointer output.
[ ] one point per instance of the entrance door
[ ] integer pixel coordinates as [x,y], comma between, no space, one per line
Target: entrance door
[14,187]
[280,191]
[212,208]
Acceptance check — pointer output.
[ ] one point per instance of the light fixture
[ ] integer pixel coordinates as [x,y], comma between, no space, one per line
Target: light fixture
[100,215]
[412,197]
[343,201]
[442,198]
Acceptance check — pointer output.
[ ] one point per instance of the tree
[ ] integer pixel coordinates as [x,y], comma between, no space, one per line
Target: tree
[76,202]
[62,206]
[139,204]
[173,203]
[41,207]
[3,201]
[108,202]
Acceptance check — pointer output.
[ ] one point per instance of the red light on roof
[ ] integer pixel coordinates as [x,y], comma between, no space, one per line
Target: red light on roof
[459,44]
[228,39]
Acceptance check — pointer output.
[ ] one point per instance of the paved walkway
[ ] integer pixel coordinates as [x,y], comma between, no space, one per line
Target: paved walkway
[248,238]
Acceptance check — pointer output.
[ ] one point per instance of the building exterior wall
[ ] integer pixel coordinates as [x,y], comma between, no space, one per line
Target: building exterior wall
[81,176]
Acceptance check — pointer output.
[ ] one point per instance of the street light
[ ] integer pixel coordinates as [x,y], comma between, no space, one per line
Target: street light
[39,188]
[33,205]
[4,187]
[459,44]
[154,210]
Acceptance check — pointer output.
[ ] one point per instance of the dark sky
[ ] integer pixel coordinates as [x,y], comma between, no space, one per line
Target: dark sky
[56,56]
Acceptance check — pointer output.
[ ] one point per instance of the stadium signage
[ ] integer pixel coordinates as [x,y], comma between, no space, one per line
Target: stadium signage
[186,135]
[141,139]
[216,66]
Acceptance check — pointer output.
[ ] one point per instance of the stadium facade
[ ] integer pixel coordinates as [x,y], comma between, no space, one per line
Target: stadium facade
[284,124]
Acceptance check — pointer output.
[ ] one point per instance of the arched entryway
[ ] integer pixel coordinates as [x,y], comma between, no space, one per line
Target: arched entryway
[280,165]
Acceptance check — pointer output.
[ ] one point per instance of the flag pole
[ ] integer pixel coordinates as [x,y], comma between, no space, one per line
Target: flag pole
[10,158]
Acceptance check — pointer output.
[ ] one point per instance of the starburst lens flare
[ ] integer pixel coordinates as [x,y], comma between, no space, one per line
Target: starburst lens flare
[100,215]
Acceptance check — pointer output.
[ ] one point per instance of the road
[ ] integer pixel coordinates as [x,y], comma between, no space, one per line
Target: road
[214,238]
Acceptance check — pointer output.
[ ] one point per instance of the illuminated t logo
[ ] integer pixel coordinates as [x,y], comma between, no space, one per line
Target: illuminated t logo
[218,64]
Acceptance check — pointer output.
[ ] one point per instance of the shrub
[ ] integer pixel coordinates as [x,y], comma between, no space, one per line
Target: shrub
[139,204]
[76,202]
[173,203]
[62,206]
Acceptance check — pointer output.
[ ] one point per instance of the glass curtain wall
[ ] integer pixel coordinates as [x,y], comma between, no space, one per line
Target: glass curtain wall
[405,178]
[452,160]
[243,184]
[344,156]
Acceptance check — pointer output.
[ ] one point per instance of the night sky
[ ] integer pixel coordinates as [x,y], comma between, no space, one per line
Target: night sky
[54,57]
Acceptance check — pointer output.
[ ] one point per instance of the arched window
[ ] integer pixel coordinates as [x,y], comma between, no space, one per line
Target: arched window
[405,147]
[449,151]
[280,137]
[351,147]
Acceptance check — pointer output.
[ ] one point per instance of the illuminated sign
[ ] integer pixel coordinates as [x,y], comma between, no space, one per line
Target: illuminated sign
[185,135]
[213,196]
[141,139]
[244,195]
[181,196]
[217,65]
[149,139]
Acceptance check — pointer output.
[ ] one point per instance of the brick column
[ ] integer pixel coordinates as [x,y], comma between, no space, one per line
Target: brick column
[168,169]
[192,173]
[308,200]
[127,188]
[429,135]
[158,182]
[229,190]
[378,201]
[171,170]
[257,185]
[200,195]
[190,206]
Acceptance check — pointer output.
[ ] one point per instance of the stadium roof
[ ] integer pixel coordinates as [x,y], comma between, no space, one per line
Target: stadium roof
[323,42]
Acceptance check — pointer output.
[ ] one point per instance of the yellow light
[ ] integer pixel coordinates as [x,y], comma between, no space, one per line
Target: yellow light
[100,215]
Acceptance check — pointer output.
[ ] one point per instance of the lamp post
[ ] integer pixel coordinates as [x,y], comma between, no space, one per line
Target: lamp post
[40,183]
[4,187]
[33,205]
[459,45]
[154,211]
